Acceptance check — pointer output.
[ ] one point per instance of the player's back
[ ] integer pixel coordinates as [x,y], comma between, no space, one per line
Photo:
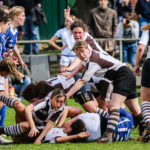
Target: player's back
[92,123]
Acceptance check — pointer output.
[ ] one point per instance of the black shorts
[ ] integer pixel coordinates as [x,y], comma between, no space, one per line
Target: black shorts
[83,97]
[84,94]
[145,81]
[125,83]
[96,94]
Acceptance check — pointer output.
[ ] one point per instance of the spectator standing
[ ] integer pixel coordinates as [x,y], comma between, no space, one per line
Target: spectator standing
[31,31]
[128,29]
[142,9]
[67,55]
[103,24]
[111,3]
[17,15]
[123,6]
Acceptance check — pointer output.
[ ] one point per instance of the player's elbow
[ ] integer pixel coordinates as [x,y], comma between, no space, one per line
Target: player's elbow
[51,42]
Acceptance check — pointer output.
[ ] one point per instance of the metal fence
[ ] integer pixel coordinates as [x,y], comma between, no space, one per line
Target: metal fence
[118,40]
[46,61]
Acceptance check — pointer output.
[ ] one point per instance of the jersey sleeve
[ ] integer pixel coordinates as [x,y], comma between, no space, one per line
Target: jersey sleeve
[91,68]
[58,34]
[40,104]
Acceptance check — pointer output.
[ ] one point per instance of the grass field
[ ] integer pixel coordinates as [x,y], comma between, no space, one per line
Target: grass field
[129,145]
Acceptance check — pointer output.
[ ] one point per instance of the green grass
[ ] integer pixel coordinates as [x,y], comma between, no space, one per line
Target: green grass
[129,145]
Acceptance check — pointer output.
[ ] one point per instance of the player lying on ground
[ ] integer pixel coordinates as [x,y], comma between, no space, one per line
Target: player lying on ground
[75,129]
[95,125]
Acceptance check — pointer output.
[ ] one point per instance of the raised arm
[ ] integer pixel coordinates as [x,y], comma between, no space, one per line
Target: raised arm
[67,12]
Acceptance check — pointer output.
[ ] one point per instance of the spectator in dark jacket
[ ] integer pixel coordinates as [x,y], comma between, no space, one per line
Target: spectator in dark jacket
[31,31]
[142,9]
[123,6]
[38,15]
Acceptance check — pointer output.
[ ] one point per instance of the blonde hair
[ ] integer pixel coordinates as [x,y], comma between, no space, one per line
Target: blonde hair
[16,11]
[58,93]
[9,66]
[80,45]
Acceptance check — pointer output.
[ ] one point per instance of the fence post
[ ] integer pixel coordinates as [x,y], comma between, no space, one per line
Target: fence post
[120,50]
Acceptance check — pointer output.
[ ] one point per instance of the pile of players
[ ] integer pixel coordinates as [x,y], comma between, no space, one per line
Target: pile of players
[102,89]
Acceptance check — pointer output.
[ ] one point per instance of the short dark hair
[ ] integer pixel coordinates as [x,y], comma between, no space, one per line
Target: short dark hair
[80,24]
[43,89]
[77,127]
[30,92]
[4,16]
[37,90]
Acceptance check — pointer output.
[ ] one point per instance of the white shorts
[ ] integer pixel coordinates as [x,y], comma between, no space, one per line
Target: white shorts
[2,86]
[66,60]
